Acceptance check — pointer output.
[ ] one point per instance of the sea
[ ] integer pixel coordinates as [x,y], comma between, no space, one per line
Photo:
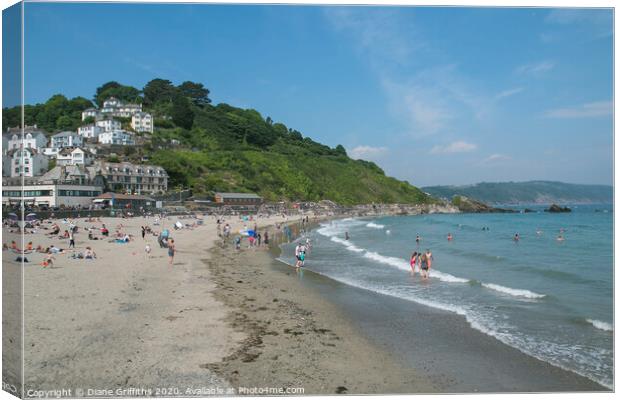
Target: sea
[551,299]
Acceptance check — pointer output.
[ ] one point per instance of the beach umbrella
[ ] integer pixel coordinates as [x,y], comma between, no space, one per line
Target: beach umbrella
[12,217]
[250,233]
[31,217]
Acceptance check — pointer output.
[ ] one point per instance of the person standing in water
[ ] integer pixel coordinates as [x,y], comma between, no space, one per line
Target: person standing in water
[449,237]
[413,261]
[429,260]
[516,238]
[346,236]
[423,265]
[417,239]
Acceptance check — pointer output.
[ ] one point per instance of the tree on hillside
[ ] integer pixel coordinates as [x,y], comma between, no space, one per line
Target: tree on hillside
[196,92]
[127,94]
[181,112]
[341,150]
[159,91]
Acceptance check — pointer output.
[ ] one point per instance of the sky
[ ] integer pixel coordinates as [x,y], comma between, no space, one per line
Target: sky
[433,95]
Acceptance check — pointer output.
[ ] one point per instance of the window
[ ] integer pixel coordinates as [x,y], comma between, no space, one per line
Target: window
[26,169]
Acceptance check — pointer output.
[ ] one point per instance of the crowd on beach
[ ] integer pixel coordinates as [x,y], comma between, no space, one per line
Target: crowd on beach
[60,235]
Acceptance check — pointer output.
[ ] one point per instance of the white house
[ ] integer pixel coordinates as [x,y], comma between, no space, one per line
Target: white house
[116,137]
[90,112]
[27,162]
[114,107]
[33,140]
[73,156]
[5,143]
[108,124]
[66,139]
[142,122]
[50,151]
[90,131]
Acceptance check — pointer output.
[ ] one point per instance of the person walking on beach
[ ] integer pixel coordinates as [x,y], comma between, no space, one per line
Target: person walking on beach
[71,239]
[258,239]
[171,251]
[143,232]
[302,255]
[266,238]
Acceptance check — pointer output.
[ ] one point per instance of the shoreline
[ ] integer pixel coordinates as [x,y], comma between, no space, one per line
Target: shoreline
[498,367]
[229,320]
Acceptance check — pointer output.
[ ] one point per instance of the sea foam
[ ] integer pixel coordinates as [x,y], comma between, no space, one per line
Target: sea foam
[513,292]
[601,325]
[376,226]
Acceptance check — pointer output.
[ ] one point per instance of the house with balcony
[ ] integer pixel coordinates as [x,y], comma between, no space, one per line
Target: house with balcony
[109,124]
[65,139]
[120,137]
[90,131]
[142,122]
[73,156]
[133,178]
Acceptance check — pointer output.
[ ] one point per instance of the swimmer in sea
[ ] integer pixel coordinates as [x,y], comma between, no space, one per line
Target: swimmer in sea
[538,231]
[560,238]
[449,237]
[516,238]
[417,239]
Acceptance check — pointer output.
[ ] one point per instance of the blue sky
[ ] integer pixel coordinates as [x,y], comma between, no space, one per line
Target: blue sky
[433,95]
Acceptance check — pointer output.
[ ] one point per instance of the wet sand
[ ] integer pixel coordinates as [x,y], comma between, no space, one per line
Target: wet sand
[309,330]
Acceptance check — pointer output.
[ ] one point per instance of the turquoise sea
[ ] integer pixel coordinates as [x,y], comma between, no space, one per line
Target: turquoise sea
[550,299]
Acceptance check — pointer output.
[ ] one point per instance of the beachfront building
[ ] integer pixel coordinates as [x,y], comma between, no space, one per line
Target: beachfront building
[124,201]
[133,178]
[73,156]
[90,131]
[109,124]
[65,139]
[68,186]
[116,137]
[26,162]
[51,195]
[142,122]
[238,199]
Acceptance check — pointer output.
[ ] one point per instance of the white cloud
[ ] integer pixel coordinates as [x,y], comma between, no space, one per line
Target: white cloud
[454,147]
[367,152]
[535,69]
[508,93]
[495,158]
[595,109]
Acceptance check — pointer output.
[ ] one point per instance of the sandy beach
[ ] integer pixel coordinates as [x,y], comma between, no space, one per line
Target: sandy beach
[222,321]
[125,319]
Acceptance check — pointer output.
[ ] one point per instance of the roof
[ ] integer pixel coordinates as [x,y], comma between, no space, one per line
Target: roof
[120,196]
[28,149]
[239,195]
[65,133]
[64,172]
[69,150]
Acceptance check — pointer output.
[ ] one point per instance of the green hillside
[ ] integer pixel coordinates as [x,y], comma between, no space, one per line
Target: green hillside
[532,192]
[211,148]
